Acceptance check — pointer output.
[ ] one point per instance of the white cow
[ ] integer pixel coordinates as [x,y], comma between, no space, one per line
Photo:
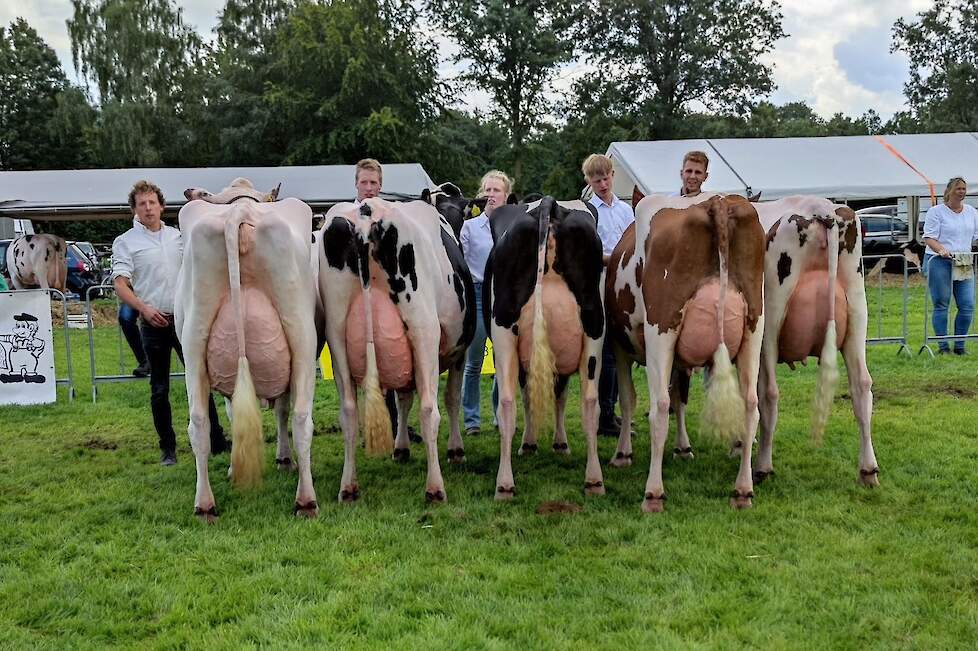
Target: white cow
[245,314]
[394,261]
[38,261]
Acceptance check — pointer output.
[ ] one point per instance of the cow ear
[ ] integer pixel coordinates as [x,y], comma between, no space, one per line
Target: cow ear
[754,198]
[512,198]
[636,196]
[426,195]
[273,195]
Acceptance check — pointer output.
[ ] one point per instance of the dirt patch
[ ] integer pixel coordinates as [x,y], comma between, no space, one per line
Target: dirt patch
[548,508]
[96,443]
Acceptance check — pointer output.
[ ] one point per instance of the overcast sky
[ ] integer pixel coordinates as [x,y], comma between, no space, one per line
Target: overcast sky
[836,57]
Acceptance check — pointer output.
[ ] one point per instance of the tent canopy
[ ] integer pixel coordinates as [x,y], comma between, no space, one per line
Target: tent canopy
[840,167]
[103,194]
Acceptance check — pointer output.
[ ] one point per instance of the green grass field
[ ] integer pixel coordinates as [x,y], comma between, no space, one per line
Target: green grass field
[100,547]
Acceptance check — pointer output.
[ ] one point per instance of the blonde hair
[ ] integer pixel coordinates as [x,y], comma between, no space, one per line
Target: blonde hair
[951,185]
[697,157]
[369,164]
[597,165]
[496,174]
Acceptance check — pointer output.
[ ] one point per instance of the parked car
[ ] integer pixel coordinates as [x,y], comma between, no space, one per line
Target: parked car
[883,230]
[4,245]
[82,272]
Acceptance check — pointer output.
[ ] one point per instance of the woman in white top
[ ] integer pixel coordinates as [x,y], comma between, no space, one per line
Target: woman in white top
[949,230]
[476,240]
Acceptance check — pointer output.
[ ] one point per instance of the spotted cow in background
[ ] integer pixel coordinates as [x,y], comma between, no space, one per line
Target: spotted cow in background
[38,261]
[248,262]
[815,304]
[402,265]
[544,313]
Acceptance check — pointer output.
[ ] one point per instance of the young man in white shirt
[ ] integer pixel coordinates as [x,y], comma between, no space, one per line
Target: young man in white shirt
[693,173]
[145,264]
[614,216]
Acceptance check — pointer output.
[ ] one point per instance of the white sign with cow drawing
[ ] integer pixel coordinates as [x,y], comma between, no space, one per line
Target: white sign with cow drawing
[27,374]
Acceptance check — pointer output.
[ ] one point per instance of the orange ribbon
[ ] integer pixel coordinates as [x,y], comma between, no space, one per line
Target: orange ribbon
[930,184]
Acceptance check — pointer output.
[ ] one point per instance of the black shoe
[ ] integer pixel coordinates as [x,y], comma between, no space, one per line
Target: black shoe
[944,351]
[168,458]
[960,351]
[608,428]
[413,435]
[142,370]
[220,446]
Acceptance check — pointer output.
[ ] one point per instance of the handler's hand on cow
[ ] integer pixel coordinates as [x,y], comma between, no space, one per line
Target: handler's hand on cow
[154,317]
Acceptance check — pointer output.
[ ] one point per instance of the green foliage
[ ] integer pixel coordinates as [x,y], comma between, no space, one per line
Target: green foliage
[665,56]
[514,49]
[349,79]
[943,86]
[43,120]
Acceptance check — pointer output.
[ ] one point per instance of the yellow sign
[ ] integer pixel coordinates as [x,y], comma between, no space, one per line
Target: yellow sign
[327,364]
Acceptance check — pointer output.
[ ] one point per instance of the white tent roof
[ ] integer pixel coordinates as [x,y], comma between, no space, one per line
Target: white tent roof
[843,167]
[92,194]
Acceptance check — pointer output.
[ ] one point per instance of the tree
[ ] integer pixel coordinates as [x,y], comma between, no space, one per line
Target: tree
[348,79]
[145,65]
[513,49]
[943,87]
[666,56]
[42,119]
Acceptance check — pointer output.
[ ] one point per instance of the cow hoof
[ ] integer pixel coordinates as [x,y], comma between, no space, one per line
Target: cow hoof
[740,500]
[350,495]
[761,475]
[594,488]
[528,448]
[456,455]
[682,453]
[434,497]
[402,455]
[308,510]
[869,477]
[561,448]
[285,465]
[654,503]
[207,516]
[621,460]
[505,493]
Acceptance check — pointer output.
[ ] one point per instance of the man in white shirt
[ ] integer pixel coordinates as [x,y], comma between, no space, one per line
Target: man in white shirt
[694,172]
[614,216]
[145,264]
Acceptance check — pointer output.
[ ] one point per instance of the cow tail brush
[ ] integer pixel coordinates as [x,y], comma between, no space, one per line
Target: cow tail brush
[246,436]
[377,433]
[828,363]
[542,364]
[723,408]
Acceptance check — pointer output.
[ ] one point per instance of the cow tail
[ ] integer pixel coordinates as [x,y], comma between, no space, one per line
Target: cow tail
[246,426]
[377,433]
[723,408]
[540,382]
[828,363]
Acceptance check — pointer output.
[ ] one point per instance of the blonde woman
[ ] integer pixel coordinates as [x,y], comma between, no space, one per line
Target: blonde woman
[949,230]
[476,243]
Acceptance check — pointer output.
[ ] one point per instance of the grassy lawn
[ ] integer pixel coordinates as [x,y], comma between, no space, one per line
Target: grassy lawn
[100,547]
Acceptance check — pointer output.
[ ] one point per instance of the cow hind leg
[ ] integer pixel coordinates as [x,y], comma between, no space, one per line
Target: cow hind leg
[198,389]
[453,400]
[347,391]
[507,361]
[402,443]
[560,445]
[748,363]
[626,397]
[861,390]
[305,494]
[590,370]
[529,443]
[659,352]
[284,459]
[679,398]
[768,394]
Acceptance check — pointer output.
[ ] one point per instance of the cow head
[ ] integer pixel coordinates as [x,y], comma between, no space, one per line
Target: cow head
[636,196]
[240,188]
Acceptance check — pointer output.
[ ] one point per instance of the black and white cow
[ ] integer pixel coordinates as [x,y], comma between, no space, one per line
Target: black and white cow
[544,313]
[401,264]
[38,261]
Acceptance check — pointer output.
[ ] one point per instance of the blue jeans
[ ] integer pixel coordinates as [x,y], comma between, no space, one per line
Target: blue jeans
[941,287]
[473,370]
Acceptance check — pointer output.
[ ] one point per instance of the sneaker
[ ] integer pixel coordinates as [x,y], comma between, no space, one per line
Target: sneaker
[473,431]
[142,370]
[168,458]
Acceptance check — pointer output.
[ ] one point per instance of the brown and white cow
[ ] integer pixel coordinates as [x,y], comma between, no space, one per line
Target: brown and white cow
[245,317]
[815,304]
[543,306]
[401,264]
[38,261]
[702,297]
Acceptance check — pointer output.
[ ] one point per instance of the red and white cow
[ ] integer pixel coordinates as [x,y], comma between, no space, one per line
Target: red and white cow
[245,317]
[38,261]
[544,312]
[401,264]
[702,306]
[815,304]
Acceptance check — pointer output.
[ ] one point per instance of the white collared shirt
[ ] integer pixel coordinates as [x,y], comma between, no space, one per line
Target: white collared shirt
[612,221]
[151,262]
[955,231]
[476,241]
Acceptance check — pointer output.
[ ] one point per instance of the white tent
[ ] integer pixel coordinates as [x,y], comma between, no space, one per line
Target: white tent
[96,194]
[840,168]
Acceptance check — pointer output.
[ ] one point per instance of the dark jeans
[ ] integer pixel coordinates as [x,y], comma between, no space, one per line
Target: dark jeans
[607,382]
[128,323]
[158,344]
